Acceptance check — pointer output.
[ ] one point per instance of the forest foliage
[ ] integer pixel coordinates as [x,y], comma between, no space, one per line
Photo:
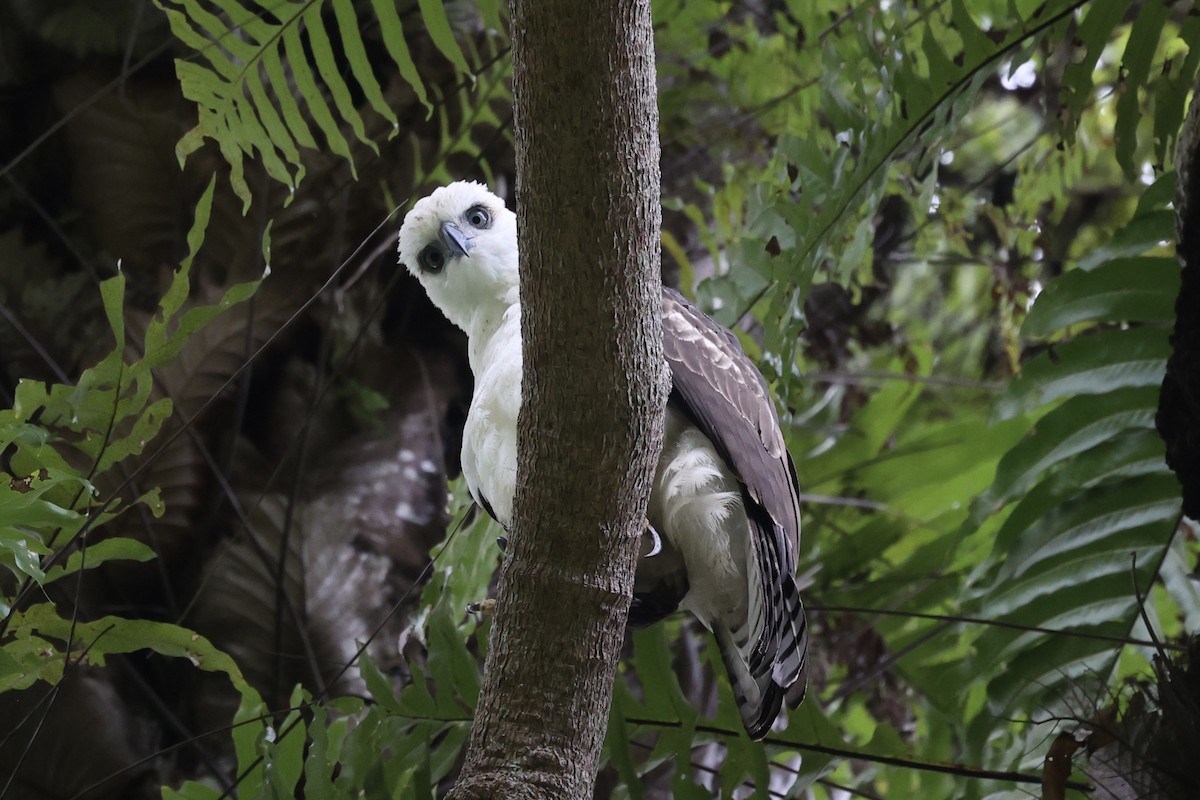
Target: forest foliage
[944,230]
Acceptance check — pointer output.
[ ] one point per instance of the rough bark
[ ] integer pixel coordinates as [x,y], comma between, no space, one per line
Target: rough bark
[594,390]
[1179,403]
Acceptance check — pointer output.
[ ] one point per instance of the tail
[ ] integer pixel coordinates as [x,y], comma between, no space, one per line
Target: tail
[769,663]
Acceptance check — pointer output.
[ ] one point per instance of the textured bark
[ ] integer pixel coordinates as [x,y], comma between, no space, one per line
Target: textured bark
[594,390]
[1179,403]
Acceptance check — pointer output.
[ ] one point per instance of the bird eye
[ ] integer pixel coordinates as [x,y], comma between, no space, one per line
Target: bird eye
[478,217]
[432,259]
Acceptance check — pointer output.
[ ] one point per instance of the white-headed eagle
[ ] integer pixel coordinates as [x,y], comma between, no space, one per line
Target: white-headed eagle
[724,509]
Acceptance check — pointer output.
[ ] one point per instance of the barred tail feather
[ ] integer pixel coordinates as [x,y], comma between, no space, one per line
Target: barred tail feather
[767,668]
[791,660]
[758,697]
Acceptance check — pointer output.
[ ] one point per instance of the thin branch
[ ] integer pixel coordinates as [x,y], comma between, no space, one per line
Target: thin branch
[945,768]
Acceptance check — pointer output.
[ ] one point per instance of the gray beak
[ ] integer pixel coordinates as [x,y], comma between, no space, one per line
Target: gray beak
[455,240]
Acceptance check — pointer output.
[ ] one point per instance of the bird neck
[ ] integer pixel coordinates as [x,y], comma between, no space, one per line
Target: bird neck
[491,332]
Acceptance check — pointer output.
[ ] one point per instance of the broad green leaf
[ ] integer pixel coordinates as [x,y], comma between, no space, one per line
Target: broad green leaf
[1090,364]
[249,732]
[1076,426]
[1149,229]
[286,761]
[1091,516]
[110,635]
[1121,290]
[23,501]
[319,763]
[25,660]
[378,685]
[1013,598]
[22,552]
[94,555]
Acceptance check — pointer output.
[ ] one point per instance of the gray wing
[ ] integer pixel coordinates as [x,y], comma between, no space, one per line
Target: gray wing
[725,395]
[721,389]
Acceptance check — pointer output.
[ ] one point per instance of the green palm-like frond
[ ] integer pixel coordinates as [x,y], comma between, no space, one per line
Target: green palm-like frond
[272,73]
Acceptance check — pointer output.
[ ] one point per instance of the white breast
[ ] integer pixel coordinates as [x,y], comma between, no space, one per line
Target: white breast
[489,451]
[696,502]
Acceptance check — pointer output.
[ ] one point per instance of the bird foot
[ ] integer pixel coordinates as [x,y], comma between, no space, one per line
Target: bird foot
[483,609]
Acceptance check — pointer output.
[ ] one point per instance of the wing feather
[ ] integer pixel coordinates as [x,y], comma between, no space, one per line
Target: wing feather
[724,394]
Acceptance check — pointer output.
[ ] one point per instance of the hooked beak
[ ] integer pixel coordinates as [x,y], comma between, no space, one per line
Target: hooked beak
[455,240]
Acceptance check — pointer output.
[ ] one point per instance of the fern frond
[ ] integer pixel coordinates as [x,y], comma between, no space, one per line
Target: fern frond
[1086,487]
[272,71]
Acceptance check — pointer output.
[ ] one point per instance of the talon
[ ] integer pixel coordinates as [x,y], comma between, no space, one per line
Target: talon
[651,542]
[502,543]
[483,608]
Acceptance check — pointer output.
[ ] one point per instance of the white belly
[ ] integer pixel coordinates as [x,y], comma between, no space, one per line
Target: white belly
[489,451]
[696,502]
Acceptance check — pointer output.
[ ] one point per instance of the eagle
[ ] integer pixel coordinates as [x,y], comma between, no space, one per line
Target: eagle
[724,509]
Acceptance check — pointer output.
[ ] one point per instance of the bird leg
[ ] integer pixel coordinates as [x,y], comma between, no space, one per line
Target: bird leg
[482,609]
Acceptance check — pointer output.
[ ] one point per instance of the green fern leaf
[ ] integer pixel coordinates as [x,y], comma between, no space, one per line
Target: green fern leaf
[1088,365]
[265,82]
[1139,55]
[1098,487]
[438,25]
[1121,290]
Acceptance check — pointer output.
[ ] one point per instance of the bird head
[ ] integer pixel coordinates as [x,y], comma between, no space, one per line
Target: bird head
[461,243]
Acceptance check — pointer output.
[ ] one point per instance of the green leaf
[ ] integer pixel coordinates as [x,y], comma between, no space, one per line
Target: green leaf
[22,552]
[394,40]
[1121,290]
[433,12]
[111,635]
[285,760]
[360,66]
[449,659]
[191,790]
[1090,364]
[114,549]
[617,749]
[25,660]
[1091,516]
[322,52]
[249,732]
[1139,55]
[1076,426]
[1150,228]
[378,685]
[1098,22]
[259,89]
[319,764]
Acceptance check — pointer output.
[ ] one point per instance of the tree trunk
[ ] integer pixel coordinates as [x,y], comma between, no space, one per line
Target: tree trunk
[1178,417]
[594,389]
